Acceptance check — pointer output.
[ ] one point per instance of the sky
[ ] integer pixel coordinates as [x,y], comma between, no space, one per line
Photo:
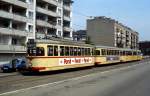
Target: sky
[132,13]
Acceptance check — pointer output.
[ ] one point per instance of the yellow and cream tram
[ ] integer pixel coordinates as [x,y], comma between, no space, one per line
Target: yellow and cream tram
[55,55]
[108,55]
[47,55]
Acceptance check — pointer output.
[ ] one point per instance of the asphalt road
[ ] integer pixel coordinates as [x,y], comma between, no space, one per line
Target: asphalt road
[130,80]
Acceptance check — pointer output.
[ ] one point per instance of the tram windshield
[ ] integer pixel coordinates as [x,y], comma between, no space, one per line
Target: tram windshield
[38,51]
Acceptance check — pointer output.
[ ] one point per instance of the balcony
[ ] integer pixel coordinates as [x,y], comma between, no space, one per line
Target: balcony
[12,49]
[68,29]
[58,27]
[40,35]
[51,2]
[8,31]
[45,24]
[5,14]
[48,12]
[17,3]
[30,34]
[67,18]
[19,18]
[67,8]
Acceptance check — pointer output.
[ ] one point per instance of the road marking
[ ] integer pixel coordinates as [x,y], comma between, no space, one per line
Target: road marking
[72,79]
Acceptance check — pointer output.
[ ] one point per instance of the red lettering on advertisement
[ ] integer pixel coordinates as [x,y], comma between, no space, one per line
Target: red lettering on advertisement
[86,60]
[67,61]
[77,60]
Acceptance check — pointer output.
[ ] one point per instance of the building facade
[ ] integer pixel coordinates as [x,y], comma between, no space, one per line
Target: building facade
[109,32]
[15,28]
[79,35]
[21,20]
[144,46]
[53,19]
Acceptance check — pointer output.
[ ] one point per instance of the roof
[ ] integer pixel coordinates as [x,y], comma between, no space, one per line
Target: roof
[108,47]
[63,42]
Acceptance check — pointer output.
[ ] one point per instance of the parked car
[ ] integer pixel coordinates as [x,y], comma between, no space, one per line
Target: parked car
[21,64]
[15,64]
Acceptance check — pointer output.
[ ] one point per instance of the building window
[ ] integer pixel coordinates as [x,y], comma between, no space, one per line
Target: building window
[30,1]
[14,41]
[30,15]
[59,33]
[59,22]
[59,11]
[30,28]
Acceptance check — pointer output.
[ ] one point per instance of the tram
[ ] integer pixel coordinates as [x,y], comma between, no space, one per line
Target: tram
[109,55]
[48,55]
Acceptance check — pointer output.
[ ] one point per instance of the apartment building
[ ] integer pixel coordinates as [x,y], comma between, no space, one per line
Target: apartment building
[109,32]
[21,20]
[16,26]
[53,19]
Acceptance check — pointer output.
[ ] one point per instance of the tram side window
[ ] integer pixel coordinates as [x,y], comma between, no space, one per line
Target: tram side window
[89,52]
[115,52]
[66,51]
[108,52]
[129,53]
[39,51]
[92,51]
[55,50]
[75,51]
[118,52]
[86,51]
[82,51]
[62,50]
[97,52]
[50,50]
[111,52]
[103,52]
[121,53]
[32,52]
[124,53]
[71,51]
[79,51]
